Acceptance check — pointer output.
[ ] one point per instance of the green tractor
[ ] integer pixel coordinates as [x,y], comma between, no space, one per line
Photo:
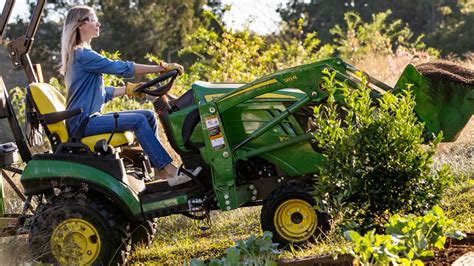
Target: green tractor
[254,143]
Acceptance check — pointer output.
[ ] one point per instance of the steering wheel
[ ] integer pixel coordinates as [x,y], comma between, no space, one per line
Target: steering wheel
[161,90]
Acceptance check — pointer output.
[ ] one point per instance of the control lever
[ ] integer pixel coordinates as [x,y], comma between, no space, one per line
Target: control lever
[116,116]
[166,101]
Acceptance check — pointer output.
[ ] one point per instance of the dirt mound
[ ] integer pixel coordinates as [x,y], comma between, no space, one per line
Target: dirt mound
[447,71]
[453,250]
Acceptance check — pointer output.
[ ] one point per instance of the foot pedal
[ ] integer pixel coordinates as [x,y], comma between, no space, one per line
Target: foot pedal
[196,171]
[195,174]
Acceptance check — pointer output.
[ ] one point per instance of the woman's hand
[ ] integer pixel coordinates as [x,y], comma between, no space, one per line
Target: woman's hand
[129,90]
[171,66]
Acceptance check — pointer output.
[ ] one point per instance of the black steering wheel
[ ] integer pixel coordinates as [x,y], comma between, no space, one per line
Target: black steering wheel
[158,91]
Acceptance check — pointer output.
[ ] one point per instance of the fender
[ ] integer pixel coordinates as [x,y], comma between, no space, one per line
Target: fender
[44,175]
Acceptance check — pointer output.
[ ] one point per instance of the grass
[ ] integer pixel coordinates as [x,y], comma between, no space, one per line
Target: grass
[14,250]
[329,244]
[181,239]
[458,201]
[459,204]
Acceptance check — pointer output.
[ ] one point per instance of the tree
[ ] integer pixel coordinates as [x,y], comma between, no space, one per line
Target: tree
[435,18]
[141,27]
[134,27]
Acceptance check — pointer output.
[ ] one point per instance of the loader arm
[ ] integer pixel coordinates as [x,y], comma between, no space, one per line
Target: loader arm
[307,79]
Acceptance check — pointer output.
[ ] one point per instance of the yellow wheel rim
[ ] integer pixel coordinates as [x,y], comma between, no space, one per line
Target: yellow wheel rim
[295,220]
[75,241]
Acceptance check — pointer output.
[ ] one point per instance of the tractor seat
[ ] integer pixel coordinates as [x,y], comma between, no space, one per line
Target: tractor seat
[48,100]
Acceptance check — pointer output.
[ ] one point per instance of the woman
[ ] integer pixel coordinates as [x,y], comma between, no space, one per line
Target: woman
[82,68]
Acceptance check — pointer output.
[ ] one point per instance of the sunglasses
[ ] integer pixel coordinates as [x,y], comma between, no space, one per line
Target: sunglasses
[91,19]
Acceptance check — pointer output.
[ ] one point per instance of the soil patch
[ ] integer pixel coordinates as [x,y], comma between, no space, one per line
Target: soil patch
[447,71]
[453,250]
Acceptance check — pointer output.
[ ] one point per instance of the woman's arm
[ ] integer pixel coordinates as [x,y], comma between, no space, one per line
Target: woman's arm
[141,69]
[119,91]
[161,68]
[91,61]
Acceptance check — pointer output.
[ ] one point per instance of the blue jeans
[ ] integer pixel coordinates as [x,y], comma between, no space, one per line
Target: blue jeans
[142,123]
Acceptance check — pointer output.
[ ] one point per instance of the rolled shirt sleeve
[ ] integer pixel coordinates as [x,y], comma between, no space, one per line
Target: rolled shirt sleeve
[109,93]
[96,63]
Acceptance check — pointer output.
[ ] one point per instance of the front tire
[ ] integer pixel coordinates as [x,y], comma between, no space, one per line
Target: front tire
[74,229]
[289,214]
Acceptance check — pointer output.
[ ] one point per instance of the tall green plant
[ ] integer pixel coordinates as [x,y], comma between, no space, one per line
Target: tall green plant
[357,38]
[377,161]
[18,102]
[241,56]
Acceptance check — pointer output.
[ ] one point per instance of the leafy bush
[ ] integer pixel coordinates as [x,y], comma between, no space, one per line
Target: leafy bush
[407,239]
[17,98]
[359,38]
[253,251]
[230,56]
[376,164]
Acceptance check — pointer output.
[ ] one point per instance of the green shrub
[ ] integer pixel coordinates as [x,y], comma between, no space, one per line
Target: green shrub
[407,240]
[241,56]
[377,161]
[17,97]
[253,251]
[357,38]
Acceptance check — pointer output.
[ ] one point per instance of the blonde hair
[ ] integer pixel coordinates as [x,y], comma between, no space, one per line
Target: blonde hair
[71,38]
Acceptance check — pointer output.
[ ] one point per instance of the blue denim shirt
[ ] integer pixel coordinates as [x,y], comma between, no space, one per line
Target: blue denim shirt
[85,85]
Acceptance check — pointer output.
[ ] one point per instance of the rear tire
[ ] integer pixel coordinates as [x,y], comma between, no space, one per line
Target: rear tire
[144,233]
[289,214]
[73,229]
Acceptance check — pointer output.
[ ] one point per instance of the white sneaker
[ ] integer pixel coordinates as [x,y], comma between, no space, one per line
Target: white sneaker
[178,180]
[181,177]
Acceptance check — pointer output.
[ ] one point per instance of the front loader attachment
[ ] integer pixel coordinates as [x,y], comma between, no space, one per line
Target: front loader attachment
[444,96]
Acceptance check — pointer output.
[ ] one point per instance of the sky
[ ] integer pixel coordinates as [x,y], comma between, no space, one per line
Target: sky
[262,14]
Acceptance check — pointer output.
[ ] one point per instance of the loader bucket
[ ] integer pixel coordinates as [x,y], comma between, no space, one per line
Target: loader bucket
[444,96]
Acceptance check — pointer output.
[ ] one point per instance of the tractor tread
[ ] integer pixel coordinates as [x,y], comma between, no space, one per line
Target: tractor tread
[67,205]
